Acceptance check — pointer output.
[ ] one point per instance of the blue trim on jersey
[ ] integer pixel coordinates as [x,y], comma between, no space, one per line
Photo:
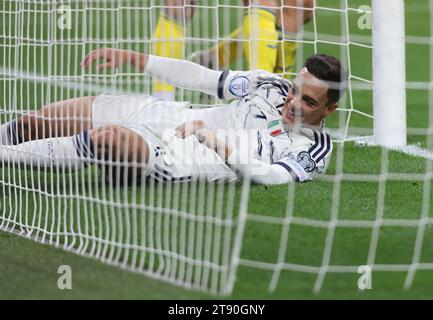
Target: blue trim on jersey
[321,146]
[168,176]
[261,116]
[260,145]
[84,147]
[281,84]
[290,170]
[316,142]
[280,106]
[158,176]
[221,82]
[328,147]
[12,133]
[271,145]
[167,173]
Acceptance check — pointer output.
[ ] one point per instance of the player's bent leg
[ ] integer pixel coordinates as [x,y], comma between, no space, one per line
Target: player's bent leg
[66,154]
[260,47]
[122,154]
[59,119]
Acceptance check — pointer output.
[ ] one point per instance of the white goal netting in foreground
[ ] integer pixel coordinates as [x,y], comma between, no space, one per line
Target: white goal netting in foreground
[195,234]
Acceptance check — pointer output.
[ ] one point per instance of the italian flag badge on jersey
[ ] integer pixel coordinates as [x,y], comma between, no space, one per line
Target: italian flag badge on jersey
[276,128]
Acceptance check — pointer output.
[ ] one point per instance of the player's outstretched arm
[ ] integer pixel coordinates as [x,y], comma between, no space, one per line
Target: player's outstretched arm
[109,58]
[227,84]
[180,73]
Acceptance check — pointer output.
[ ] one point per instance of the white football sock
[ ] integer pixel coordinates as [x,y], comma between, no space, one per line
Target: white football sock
[66,153]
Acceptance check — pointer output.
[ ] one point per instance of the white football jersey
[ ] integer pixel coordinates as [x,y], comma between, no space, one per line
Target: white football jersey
[304,154]
[244,126]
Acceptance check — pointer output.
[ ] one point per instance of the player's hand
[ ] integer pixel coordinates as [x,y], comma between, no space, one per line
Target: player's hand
[107,58]
[189,128]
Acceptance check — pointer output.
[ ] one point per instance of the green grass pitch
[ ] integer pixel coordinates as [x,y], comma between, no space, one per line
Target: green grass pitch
[29,269]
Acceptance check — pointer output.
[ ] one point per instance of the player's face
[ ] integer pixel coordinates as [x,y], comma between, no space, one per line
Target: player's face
[307,102]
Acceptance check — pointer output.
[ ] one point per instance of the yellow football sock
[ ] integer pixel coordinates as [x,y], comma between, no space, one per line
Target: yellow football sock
[169,42]
[261,45]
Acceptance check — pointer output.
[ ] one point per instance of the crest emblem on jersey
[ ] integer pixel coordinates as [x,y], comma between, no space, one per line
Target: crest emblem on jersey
[305,161]
[276,128]
[240,86]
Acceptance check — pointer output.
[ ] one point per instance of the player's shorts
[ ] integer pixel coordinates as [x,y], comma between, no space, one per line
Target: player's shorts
[170,158]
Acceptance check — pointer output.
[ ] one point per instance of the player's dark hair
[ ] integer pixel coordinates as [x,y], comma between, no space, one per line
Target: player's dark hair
[329,69]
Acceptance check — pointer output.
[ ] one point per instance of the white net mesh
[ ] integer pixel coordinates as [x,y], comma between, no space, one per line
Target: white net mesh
[372,208]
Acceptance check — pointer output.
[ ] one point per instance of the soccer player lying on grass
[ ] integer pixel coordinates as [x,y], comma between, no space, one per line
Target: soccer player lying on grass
[272,131]
[269,29]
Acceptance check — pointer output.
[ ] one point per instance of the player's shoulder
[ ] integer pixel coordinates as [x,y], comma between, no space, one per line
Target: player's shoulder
[272,81]
[271,91]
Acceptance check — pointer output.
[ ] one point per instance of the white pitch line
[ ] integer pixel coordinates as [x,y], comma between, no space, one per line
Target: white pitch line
[412,150]
[416,151]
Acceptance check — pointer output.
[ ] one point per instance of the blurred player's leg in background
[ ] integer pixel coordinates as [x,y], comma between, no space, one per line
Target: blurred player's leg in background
[268,25]
[256,40]
[169,39]
[261,36]
[290,21]
[227,51]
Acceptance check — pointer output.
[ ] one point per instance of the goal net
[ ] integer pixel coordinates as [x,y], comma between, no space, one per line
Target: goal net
[370,212]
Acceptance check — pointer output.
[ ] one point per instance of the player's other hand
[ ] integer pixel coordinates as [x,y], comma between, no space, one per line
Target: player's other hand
[107,58]
[189,128]
[205,136]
